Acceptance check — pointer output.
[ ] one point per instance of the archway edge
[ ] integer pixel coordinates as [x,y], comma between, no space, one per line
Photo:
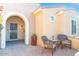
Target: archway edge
[3,32]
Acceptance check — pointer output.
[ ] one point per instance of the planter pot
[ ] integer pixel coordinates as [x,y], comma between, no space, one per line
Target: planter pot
[34,40]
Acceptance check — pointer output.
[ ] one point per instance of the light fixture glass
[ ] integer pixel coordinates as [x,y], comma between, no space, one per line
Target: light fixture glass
[52,18]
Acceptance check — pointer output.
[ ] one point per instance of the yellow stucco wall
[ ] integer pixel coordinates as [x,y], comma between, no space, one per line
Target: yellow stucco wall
[49,26]
[59,24]
[75,42]
[45,27]
[39,27]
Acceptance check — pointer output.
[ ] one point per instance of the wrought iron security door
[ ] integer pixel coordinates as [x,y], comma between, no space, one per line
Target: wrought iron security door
[13,31]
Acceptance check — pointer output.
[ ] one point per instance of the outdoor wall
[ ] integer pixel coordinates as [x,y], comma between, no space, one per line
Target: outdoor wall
[75,42]
[39,27]
[45,27]
[61,24]
[25,9]
[51,28]
[69,16]
[77,25]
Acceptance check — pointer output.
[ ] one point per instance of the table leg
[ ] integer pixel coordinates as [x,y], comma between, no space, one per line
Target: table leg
[52,51]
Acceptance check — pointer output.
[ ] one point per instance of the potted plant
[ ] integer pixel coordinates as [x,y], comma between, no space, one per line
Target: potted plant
[1,26]
[34,39]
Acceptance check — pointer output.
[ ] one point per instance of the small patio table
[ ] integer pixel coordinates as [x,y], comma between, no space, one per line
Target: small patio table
[55,43]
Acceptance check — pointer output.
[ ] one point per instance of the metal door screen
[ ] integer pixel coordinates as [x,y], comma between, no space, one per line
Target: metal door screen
[13,31]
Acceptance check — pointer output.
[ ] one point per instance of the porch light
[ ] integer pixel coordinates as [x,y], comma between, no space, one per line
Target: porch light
[52,18]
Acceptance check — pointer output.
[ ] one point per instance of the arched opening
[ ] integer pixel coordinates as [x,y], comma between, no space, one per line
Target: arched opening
[15,30]
[3,32]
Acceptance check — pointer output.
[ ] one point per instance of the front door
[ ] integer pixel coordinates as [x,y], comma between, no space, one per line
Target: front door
[13,31]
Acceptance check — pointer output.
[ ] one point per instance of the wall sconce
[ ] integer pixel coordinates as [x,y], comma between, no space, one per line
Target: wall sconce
[52,18]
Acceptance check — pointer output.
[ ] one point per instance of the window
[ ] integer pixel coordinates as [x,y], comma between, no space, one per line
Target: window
[73,27]
[13,26]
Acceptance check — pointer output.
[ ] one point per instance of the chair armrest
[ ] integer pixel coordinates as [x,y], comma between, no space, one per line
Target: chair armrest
[69,41]
[50,42]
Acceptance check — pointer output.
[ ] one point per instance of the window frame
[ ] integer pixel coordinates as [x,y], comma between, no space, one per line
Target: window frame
[72,28]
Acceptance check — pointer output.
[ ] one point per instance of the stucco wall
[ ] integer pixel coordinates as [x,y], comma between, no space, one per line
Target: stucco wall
[60,25]
[25,9]
[39,27]
[75,42]
[69,15]
[44,26]
[50,27]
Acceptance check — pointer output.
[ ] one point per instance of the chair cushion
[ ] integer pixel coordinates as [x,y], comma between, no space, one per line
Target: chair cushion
[62,37]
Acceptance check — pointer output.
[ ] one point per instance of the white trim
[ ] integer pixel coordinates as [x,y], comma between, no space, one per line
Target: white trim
[36,11]
[3,32]
[74,19]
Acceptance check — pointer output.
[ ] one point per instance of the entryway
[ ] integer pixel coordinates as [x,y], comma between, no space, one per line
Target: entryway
[15,29]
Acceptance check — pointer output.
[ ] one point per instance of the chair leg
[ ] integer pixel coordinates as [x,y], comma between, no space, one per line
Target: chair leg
[70,46]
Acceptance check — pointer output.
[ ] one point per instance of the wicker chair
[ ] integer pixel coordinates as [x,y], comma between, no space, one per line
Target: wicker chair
[64,41]
[48,44]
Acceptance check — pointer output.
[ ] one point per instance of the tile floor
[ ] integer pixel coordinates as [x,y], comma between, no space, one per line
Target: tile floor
[18,48]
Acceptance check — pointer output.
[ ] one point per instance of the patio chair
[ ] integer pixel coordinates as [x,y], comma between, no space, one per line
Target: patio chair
[48,44]
[64,41]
